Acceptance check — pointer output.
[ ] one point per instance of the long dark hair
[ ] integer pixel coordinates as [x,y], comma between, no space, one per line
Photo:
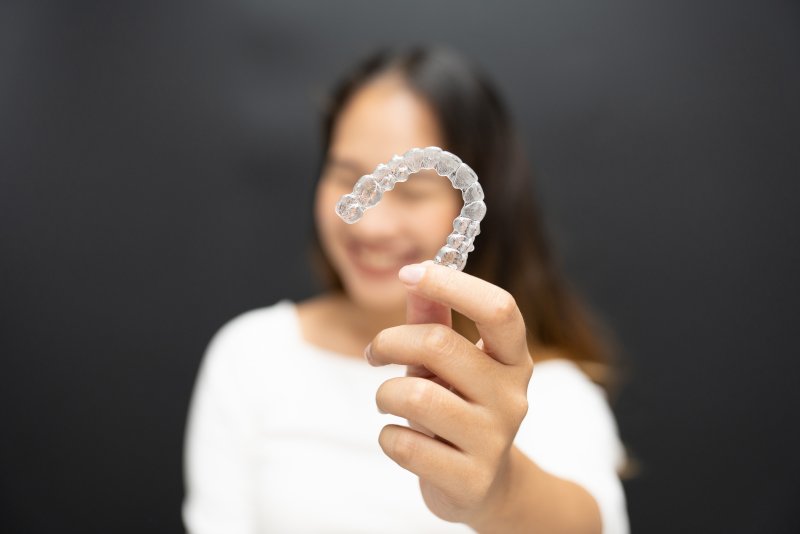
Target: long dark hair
[511,251]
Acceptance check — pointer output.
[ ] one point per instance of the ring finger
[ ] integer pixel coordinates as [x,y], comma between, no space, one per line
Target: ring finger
[426,404]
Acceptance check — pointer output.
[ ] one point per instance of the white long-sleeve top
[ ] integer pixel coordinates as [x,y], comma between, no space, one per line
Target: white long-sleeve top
[282,437]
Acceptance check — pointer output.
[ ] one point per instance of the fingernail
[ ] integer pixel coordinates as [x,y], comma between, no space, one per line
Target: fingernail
[411,274]
[368,353]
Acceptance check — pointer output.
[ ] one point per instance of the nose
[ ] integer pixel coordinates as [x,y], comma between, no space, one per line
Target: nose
[378,224]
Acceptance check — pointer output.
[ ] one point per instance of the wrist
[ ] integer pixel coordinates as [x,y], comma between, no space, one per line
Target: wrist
[529,498]
[498,513]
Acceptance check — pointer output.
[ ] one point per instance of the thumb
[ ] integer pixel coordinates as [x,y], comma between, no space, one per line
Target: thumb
[421,310]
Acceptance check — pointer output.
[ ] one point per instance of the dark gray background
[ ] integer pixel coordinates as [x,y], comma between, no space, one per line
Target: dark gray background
[156,165]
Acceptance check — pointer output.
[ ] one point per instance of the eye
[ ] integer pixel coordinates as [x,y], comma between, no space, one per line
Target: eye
[340,178]
[426,185]
[413,194]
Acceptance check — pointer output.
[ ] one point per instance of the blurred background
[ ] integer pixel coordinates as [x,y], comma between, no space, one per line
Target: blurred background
[156,170]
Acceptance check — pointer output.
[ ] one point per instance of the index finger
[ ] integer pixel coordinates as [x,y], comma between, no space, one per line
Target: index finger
[492,308]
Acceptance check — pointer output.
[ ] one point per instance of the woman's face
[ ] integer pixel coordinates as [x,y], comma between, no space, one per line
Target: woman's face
[411,222]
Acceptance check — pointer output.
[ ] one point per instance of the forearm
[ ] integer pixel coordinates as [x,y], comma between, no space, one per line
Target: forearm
[536,501]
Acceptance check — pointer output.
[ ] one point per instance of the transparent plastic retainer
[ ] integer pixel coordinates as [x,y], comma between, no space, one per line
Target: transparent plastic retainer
[369,190]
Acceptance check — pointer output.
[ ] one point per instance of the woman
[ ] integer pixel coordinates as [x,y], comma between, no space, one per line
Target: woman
[283,433]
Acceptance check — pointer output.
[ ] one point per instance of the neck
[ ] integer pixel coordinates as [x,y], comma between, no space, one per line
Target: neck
[365,322]
[334,322]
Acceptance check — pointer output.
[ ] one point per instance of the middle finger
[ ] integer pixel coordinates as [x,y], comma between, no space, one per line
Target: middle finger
[445,353]
[436,409]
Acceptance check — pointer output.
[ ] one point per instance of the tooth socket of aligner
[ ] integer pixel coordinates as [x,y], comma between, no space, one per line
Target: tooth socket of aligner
[447,164]
[430,157]
[383,175]
[388,182]
[349,209]
[466,227]
[368,191]
[460,242]
[462,262]
[472,193]
[399,168]
[413,159]
[463,177]
[474,210]
[449,257]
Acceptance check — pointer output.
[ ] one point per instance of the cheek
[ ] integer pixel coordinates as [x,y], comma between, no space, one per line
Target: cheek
[324,213]
[435,224]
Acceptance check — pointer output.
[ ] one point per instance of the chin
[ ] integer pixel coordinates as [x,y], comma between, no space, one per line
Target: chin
[378,299]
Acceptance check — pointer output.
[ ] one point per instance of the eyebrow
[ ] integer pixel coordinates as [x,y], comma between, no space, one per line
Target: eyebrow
[351,165]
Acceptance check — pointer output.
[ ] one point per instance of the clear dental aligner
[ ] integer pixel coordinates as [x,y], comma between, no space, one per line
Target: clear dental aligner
[369,190]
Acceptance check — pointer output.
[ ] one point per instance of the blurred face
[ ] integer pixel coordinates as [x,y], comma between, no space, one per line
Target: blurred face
[411,222]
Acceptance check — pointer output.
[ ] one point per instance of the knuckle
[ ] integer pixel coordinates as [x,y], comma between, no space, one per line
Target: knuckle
[439,339]
[401,447]
[519,407]
[528,367]
[484,478]
[420,396]
[505,306]
[515,407]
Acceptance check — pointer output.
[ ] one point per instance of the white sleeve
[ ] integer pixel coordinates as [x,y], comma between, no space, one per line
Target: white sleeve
[570,432]
[219,496]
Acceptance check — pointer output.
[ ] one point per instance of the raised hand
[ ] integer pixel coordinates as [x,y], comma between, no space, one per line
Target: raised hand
[464,401]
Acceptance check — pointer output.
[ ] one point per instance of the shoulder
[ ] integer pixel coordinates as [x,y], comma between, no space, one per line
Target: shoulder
[570,431]
[255,326]
[560,390]
[562,380]
[568,410]
[247,342]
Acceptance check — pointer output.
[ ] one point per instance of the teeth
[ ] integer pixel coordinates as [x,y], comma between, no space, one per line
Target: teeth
[377,260]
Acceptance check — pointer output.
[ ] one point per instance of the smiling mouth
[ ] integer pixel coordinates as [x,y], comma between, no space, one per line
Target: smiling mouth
[374,262]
